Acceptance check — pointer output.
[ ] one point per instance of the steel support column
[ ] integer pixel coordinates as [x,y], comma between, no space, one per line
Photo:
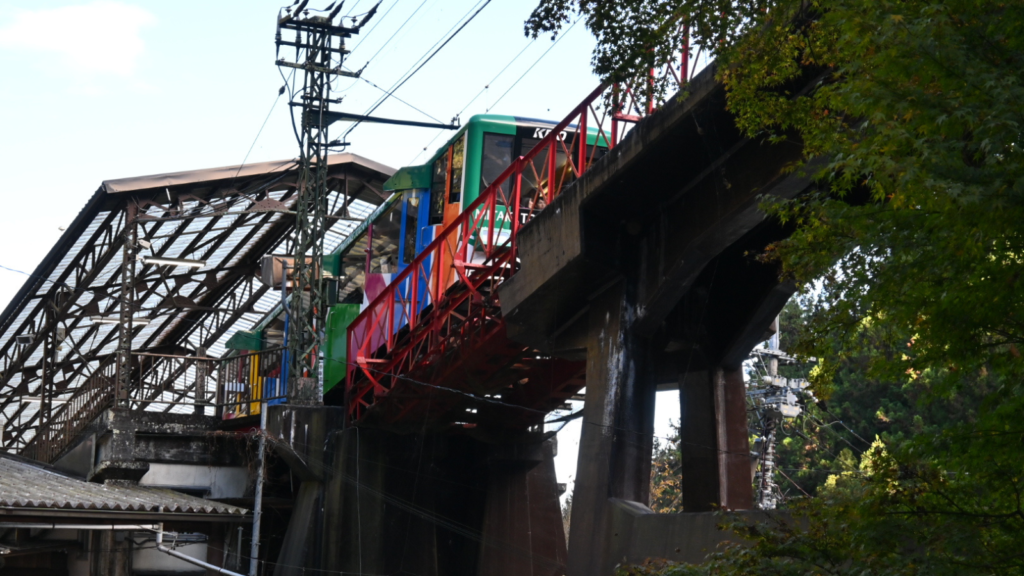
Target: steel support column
[127,309]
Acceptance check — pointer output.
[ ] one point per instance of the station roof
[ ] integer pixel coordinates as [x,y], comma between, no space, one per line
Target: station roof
[228,218]
[31,488]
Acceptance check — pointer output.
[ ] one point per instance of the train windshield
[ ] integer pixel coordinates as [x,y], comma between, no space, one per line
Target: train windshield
[500,149]
[497,157]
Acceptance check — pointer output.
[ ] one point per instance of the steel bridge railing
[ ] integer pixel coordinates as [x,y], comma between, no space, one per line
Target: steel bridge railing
[447,298]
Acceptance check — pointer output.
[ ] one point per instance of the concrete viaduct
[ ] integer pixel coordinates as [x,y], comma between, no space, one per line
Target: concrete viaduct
[645,269]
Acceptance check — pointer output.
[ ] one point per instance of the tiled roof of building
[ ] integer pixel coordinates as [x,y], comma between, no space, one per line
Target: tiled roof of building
[29,486]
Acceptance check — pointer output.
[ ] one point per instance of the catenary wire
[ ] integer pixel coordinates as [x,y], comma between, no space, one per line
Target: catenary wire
[371,83]
[390,38]
[420,59]
[474,99]
[423,63]
[262,126]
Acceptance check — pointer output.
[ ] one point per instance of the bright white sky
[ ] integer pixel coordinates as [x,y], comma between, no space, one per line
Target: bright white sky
[98,90]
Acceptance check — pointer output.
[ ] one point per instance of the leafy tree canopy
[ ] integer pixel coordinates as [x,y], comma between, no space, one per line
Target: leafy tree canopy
[911,252]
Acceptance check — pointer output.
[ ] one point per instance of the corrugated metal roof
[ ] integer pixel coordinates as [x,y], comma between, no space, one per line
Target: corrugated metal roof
[227,217]
[226,173]
[31,486]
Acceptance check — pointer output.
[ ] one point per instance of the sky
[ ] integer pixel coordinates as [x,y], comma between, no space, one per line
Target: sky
[100,90]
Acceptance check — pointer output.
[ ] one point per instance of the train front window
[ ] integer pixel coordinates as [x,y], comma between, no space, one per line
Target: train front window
[497,157]
[536,178]
[534,187]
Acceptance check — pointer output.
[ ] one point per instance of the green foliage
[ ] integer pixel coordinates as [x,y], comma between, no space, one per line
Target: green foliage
[831,435]
[633,35]
[911,254]
[666,480]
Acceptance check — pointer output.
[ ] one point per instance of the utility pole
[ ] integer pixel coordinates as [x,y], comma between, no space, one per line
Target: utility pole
[775,400]
[766,488]
[319,52]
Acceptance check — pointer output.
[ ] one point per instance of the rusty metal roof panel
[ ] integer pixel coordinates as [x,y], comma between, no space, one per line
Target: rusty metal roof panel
[30,486]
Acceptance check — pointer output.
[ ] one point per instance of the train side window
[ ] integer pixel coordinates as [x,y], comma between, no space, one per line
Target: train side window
[411,228]
[437,189]
[386,236]
[458,159]
[497,157]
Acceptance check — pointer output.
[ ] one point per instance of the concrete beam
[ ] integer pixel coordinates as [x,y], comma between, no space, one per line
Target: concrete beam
[708,217]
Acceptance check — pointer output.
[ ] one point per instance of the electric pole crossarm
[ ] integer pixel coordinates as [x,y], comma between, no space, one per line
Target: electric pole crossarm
[320,69]
[315,25]
[341,50]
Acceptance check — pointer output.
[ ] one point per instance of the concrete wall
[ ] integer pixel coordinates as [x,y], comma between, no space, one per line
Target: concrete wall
[152,561]
[212,481]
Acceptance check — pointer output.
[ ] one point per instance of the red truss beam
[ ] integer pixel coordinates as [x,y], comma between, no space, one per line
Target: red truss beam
[429,346]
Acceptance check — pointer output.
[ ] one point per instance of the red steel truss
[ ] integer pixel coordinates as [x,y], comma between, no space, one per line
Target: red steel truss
[432,347]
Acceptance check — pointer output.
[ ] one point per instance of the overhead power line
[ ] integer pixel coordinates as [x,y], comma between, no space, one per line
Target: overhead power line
[374,27]
[371,83]
[393,34]
[493,80]
[423,62]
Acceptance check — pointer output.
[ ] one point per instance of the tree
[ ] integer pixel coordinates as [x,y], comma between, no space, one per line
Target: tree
[666,482]
[832,434]
[913,246]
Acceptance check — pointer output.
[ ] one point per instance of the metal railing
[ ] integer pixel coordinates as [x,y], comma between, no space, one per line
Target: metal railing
[447,298]
[227,388]
[84,406]
[173,383]
[247,380]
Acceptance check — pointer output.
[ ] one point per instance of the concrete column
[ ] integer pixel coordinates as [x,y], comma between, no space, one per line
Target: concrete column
[618,424]
[354,510]
[735,485]
[300,547]
[116,452]
[698,441]
[109,553]
[522,526]
[715,448]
